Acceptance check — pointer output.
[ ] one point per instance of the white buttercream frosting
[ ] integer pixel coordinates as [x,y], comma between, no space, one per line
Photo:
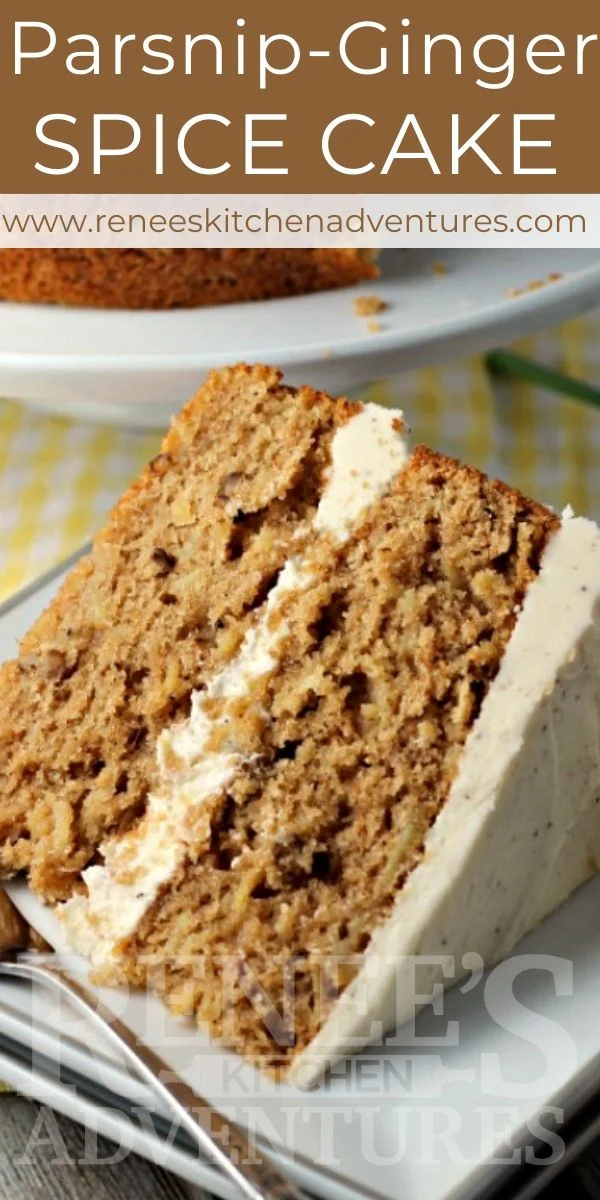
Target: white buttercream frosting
[367,453]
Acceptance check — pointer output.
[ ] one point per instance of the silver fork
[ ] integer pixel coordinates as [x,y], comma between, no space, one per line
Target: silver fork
[222,1141]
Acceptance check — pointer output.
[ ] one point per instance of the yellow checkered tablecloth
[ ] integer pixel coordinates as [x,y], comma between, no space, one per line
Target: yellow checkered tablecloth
[58,478]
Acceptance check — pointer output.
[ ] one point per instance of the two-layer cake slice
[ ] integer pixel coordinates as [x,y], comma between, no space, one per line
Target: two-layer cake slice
[314,706]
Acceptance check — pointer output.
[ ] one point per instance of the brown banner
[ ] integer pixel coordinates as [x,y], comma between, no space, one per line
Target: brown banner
[188,85]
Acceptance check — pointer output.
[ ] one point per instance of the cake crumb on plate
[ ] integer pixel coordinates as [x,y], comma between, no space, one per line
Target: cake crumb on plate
[367,306]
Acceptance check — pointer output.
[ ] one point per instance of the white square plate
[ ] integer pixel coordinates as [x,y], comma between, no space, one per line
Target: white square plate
[446,1109]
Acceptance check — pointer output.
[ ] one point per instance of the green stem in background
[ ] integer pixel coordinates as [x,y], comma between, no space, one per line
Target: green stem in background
[505,364]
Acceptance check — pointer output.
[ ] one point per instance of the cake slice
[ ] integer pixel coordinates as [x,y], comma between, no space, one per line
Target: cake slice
[314,706]
[182,278]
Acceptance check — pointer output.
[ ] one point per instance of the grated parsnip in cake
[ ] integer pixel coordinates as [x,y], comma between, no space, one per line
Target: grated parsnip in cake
[315,704]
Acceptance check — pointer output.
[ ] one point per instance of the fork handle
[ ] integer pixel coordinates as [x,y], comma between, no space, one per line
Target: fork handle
[222,1141]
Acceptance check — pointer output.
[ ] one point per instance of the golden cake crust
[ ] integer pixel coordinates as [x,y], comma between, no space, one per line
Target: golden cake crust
[180,278]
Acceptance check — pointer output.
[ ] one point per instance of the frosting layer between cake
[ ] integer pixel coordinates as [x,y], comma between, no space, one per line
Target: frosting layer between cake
[367,453]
